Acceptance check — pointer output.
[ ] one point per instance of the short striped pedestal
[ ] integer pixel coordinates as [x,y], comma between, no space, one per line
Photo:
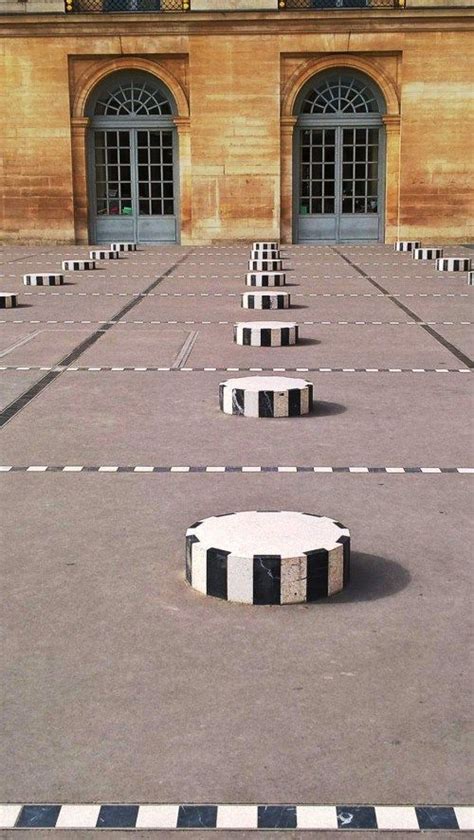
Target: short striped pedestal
[104,255]
[266,278]
[266,333]
[78,265]
[268,557]
[266,396]
[470,278]
[265,300]
[427,253]
[123,246]
[265,246]
[43,279]
[7,300]
[265,265]
[265,255]
[453,264]
[406,246]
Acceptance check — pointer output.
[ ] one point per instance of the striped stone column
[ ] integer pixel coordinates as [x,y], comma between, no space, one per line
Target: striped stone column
[43,279]
[266,396]
[406,246]
[427,253]
[268,557]
[453,264]
[266,300]
[78,265]
[266,278]
[265,265]
[266,333]
[8,300]
[123,246]
[104,255]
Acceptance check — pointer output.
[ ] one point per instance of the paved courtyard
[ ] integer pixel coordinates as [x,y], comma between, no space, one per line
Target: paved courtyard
[123,685]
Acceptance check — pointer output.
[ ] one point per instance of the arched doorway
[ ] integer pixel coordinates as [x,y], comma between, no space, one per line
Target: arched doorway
[339,159]
[132,154]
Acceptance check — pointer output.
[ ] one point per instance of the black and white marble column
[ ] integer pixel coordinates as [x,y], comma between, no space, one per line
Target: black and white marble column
[43,279]
[265,246]
[8,300]
[265,300]
[78,265]
[104,255]
[268,557]
[427,253]
[266,333]
[123,246]
[406,245]
[266,396]
[265,265]
[453,264]
[266,278]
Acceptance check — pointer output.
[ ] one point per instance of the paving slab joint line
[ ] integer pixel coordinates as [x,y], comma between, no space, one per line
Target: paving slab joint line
[241,468]
[237,816]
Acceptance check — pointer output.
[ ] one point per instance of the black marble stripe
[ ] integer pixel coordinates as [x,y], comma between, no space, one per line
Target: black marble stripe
[285,336]
[346,545]
[197,816]
[251,302]
[221,397]
[266,407]
[216,565]
[238,401]
[246,335]
[276,816]
[294,402]
[38,816]
[265,338]
[436,817]
[117,816]
[317,574]
[266,578]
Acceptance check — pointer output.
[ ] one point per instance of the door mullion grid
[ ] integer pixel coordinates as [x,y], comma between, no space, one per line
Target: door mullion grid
[134,177]
[338,179]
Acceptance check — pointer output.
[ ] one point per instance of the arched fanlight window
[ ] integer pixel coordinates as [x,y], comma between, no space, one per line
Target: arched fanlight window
[137,98]
[342,94]
[131,94]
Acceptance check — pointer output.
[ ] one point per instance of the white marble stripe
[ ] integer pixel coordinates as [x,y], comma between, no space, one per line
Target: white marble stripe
[237,816]
[199,567]
[465,817]
[78,816]
[316,817]
[9,815]
[240,579]
[157,816]
[401,818]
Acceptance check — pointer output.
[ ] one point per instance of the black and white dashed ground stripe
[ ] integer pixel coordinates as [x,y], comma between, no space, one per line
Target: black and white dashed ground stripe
[266,300]
[266,334]
[43,279]
[223,323]
[453,264]
[406,246]
[208,369]
[427,253]
[236,294]
[8,300]
[268,557]
[266,396]
[104,255]
[232,816]
[155,468]
[78,265]
[266,278]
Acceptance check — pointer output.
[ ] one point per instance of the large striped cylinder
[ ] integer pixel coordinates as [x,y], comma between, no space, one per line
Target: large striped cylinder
[266,334]
[266,278]
[266,396]
[453,264]
[43,279]
[123,246]
[265,255]
[427,253]
[266,300]
[268,557]
[265,246]
[406,246]
[104,255]
[78,265]
[265,265]
[8,300]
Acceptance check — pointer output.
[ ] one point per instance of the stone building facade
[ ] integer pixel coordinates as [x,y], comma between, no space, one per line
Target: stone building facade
[204,121]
